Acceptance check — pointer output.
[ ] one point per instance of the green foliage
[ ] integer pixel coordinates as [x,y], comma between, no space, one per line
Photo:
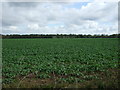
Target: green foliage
[43,76]
[65,57]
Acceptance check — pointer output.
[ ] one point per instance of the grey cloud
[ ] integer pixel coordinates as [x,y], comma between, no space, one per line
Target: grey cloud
[23,4]
[119,11]
[76,20]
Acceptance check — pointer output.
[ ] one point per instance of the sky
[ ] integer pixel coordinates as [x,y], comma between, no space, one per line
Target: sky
[59,18]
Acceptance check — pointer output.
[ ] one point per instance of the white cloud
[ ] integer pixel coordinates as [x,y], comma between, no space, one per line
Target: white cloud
[12,27]
[33,26]
[11,30]
[53,18]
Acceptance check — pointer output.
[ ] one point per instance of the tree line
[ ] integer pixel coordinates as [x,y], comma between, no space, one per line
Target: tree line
[60,36]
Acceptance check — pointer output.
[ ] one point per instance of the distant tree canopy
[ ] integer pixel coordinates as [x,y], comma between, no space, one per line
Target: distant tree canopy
[60,36]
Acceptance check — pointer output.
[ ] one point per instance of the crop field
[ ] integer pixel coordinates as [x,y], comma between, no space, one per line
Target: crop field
[60,63]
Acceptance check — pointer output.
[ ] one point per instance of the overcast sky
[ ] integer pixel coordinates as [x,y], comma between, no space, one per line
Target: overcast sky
[59,18]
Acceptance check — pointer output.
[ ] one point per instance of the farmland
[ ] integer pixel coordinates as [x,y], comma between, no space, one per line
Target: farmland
[82,62]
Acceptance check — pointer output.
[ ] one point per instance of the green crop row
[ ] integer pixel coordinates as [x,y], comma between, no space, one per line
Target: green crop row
[66,59]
